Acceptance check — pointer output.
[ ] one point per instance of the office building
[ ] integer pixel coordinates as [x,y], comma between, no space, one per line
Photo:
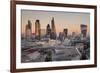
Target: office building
[28,30]
[53,29]
[48,30]
[37,29]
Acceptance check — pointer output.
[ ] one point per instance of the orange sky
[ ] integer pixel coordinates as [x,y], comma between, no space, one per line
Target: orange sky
[62,20]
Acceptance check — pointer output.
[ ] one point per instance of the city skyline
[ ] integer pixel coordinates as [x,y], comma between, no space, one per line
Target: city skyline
[69,20]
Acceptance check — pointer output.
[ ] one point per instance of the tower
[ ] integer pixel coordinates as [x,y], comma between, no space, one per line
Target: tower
[37,29]
[28,30]
[83,30]
[53,29]
[48,30]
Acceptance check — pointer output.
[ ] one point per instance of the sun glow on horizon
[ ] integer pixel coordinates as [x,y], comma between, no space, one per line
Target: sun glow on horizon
[69,20]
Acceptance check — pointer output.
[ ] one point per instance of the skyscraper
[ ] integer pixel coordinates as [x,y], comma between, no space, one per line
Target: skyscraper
[28,30]
[53,29]
[83,30]
[37,29]
[48,30]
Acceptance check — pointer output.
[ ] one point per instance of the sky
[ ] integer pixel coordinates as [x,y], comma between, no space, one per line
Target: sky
[69,20]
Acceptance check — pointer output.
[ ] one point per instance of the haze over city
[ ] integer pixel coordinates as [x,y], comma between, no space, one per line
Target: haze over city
[69,20]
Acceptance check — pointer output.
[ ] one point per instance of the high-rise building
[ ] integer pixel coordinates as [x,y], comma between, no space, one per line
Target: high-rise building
[28,30]
[37,30]
[83,30]
[53,29]
[48,30]
[65,32]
